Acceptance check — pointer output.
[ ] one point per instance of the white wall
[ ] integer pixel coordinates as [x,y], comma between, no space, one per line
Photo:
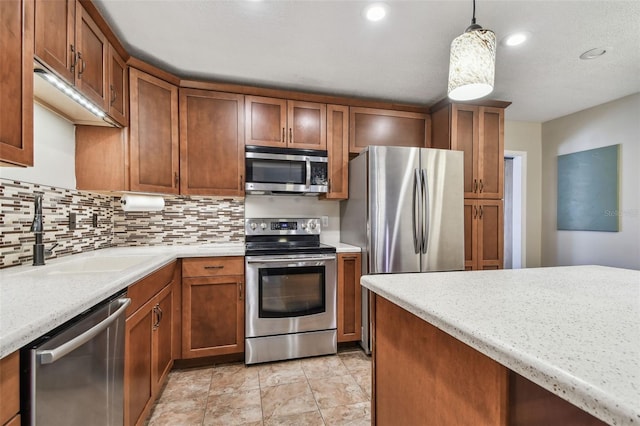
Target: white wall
[54,152]
[527,137]
[616,122]
[290,206]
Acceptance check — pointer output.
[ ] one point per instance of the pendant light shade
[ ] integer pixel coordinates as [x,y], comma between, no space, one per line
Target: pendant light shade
[472,63]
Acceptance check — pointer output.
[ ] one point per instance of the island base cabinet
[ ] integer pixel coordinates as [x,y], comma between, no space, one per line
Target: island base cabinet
[423,376]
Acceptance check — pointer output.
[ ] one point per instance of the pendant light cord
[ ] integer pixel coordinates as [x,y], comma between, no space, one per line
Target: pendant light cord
[473,19]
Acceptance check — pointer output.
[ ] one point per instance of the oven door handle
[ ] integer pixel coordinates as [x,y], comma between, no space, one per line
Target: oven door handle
[52,355]
[290,260]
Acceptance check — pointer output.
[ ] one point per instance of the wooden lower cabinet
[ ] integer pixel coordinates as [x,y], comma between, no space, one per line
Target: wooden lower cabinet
[10,389]
[349,297]
[149,340]
[483,234]
[212,306]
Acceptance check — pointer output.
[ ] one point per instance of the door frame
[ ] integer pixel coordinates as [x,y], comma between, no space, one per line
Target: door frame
[519,208]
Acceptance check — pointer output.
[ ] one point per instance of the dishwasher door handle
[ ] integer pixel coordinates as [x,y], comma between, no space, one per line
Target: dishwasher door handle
[52,355]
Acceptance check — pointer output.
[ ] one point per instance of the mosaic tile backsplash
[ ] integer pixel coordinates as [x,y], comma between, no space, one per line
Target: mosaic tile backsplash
[184,220]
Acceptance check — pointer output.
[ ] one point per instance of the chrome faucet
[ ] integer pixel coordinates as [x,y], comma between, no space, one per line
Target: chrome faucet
[37,229]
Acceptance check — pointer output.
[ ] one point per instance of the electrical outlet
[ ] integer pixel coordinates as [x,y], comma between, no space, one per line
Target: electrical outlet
[72,221]
[325,221]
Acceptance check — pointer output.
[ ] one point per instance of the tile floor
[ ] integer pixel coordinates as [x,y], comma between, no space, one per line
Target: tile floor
[329,390]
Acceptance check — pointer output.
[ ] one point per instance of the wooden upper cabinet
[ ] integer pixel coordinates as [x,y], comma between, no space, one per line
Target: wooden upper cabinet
[266,121]
[338,152]
[211,143]
[307,125]
[92,59]
[286,124]
[369,126]
[69,42]
[484,234]
[55,40]
[153,134]
[16,82]
[478,131]
[118,107]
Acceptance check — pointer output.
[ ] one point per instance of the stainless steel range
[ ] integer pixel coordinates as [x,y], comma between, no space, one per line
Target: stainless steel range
[290,290]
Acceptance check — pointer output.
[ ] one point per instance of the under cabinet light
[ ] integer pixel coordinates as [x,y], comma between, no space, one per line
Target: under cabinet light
[70,92]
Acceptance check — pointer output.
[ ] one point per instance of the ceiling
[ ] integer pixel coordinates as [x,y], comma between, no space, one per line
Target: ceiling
[328,47]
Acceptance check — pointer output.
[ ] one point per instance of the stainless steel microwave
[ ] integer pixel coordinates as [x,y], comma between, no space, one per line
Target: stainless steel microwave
[285,171]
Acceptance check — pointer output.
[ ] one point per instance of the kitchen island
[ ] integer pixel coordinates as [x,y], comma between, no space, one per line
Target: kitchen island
[531,346]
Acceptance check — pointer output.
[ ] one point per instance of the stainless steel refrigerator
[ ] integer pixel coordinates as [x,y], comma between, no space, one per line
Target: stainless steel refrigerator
[405,212]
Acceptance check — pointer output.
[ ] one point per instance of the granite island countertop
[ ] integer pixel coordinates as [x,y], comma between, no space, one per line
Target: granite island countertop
[574,331]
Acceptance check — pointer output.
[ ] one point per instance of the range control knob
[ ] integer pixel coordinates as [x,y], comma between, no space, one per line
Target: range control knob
[253,226]
[303,226]
[263,226]
[312,225]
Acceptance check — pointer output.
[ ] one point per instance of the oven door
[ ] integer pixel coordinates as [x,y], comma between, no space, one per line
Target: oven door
[290,294]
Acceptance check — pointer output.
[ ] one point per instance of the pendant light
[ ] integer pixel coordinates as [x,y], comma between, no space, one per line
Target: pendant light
[472,62]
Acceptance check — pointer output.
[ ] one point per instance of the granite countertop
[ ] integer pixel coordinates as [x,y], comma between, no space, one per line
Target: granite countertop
[573,330]
[36,299]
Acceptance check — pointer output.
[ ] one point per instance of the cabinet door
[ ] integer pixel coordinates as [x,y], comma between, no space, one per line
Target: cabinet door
[349,298]
[266,121]
[491,153]
[55,36]
[307,123]
[9,386]
[212,316]
[490,234]
[102,155]
[91,66]
[153,134]
[16,82]
[138,374]
[370,126]
[464,137]
[470,235]
[118,88]
[211,143]
[338,152]
[163,337]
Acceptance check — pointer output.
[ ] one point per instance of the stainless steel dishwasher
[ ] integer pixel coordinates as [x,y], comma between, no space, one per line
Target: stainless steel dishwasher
[74,375]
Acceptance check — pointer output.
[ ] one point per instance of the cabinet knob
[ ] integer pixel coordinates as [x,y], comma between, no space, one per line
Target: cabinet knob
[74,58]
[114,95]
[283,137]
[475,185]
[290,135]
[239,291]
[176,179]
[480,212]
[481,185]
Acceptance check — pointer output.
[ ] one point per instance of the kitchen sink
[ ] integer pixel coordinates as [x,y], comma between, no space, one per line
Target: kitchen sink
[98,264]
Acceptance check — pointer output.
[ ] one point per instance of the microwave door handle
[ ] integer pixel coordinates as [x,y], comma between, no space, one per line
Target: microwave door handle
[308,180]
[52,355]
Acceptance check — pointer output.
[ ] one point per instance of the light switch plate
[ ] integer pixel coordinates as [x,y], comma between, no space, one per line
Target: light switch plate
[325,221]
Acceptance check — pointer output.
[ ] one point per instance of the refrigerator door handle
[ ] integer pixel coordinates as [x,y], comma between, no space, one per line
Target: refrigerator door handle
[417,192]
[425,211]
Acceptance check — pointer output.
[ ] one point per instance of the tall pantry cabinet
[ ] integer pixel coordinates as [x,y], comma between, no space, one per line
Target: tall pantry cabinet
[478,131]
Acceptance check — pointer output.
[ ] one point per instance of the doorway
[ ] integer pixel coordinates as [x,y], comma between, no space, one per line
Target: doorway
[515,163]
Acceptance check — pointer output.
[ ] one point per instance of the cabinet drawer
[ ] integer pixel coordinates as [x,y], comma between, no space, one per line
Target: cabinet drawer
[143,290]
[212,266]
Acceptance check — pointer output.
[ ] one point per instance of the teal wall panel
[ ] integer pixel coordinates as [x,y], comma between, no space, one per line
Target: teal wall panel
[588,190]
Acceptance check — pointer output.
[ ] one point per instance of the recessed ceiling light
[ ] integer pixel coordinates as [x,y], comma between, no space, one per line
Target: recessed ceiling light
[375,12]
[594,53]
[515,39]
